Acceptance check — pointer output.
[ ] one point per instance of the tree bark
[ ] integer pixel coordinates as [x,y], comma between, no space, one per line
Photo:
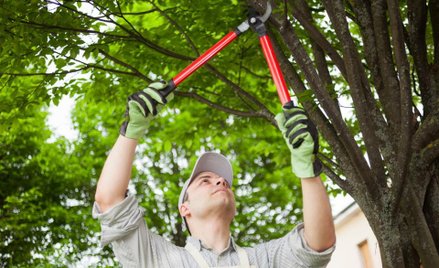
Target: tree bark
[431,206]
[405,239]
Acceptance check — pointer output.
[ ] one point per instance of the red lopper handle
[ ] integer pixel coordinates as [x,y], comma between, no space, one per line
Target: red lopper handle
[200,61]
[276,73]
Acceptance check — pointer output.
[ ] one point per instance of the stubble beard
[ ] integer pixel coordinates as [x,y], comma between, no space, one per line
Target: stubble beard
[224,206]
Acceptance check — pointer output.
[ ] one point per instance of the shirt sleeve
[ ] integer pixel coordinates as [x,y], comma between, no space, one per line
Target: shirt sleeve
[133,244]
[119,221]
[292,251]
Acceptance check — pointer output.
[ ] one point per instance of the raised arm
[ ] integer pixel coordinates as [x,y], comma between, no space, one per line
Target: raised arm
[317,215]
[142,106]
[302,139]
[116,174]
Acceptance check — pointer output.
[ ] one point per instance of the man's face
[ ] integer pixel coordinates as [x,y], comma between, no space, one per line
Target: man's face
[209,193]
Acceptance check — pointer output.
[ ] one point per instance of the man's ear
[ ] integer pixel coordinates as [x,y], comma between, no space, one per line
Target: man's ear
[184,209]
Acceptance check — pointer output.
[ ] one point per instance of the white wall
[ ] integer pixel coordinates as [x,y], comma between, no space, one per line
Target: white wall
[352,228]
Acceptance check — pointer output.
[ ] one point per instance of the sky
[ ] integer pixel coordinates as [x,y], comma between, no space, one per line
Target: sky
[59,119]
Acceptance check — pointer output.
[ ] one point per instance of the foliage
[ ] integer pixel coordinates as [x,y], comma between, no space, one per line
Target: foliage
[45,189]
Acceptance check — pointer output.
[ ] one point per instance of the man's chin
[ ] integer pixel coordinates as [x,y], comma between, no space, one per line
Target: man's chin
[223,205]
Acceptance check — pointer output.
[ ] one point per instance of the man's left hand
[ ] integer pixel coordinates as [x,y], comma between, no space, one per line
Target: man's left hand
[302,139]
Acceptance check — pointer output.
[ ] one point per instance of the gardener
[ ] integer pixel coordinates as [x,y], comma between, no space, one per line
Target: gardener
[207,203]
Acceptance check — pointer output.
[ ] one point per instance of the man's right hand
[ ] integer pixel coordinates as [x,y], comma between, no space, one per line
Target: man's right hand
[142,106]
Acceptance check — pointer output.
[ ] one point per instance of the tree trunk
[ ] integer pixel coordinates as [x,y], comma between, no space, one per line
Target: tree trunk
[395,246]
[410,236]
[431,208]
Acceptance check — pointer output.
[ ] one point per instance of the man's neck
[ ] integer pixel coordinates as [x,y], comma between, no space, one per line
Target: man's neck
[214,234]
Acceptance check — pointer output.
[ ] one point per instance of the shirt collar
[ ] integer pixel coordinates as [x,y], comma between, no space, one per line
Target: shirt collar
[199,245]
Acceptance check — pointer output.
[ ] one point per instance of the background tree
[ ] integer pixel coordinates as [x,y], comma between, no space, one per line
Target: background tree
[45,193]
[379,58]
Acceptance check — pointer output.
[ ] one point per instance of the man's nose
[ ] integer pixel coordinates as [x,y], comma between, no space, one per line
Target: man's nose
[221,181]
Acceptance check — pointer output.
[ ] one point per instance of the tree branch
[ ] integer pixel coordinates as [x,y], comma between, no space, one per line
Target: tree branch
[328,167]
[223,108]
[95,66]
[433,6]
[306,21]
[389,96]
[417,16]
[88,66]
[431,152]
[305,63]
[422,239]
[360,91]
[133,31]
[59,4]
[139,37]
[44,26]
[266,77]
[403,68]
[179,28]
[126,65]
[137,34]
[47,74]
[240,91]
[428,131]
[343,184]
[131,36]
[319,55]
[371,50]
[372,47]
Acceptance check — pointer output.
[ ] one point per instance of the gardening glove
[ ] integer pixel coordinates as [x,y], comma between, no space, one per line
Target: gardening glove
[142,106]
[303,140]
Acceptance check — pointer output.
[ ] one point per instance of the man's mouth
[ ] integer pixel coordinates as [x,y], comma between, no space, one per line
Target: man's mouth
[219,190]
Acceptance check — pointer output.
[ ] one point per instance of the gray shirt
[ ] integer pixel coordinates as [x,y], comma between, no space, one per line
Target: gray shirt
[135,246]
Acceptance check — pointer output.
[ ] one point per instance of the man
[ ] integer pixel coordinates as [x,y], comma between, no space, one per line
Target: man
[207,203]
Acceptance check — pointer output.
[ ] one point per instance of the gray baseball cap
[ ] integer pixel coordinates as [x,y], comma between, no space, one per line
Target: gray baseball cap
[209,161]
